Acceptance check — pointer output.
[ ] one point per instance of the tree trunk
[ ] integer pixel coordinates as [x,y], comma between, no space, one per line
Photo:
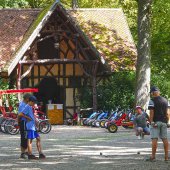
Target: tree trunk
[143,68]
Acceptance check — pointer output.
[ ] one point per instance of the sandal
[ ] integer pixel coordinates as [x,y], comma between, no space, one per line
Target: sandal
[32,157]
[167,160]
[150,159]
[42,156]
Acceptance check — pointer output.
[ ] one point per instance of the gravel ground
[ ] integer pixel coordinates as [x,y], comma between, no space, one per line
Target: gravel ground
[84,148]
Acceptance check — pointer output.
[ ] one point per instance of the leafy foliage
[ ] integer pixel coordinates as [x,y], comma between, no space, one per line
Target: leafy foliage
[39,3]
[161,46]
[12,98]
[24,3]
[98,4]
[160,30]
[13,4]
[116,51]
[118,91]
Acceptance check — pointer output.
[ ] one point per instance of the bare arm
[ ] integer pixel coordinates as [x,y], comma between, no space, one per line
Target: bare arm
[168,115]
[151,115]
[23,115]
[134,124]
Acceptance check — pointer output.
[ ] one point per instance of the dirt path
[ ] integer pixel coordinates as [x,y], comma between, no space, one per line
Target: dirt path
[84,148]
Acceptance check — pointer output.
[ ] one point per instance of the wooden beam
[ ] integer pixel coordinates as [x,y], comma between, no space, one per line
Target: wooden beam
[68,113]
[28,71]
[19,81]
[57,61]
[49,70]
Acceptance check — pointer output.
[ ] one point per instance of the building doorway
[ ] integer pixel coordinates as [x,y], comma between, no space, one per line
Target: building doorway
[49,92]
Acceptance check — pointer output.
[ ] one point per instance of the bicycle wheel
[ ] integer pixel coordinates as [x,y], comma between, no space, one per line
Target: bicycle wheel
[12,128]
[102,123]
[44,126]
[112,128]
[3,124]
[97,123]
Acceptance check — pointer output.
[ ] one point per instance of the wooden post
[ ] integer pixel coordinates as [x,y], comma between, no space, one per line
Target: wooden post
[64,85]
[94,82]
[19,81]
[94,94]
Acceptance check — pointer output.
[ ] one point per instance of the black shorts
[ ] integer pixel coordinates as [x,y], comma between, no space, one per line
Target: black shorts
[23,134]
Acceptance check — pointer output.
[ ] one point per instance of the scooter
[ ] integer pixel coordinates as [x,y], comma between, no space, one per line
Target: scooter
[103,115]
[103,122]
[86,120]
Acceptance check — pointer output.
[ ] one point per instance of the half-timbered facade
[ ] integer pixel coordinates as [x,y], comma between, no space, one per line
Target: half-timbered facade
[55,53]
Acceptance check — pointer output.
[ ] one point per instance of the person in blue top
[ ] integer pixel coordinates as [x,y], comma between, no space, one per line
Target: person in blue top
[22,123]
[31,128]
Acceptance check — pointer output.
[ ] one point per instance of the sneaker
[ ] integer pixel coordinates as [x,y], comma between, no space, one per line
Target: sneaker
[26,153]
[150,159]
[23,156]
[42,156]
[139,137]
[32,157]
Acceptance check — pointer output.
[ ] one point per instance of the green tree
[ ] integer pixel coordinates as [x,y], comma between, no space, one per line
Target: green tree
[13,4]
[117,91]
[12,98]
[39,3]
[160,46]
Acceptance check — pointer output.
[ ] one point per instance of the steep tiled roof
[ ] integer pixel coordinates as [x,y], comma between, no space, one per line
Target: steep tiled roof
[13,25]
[113,19]
[109,33]
[105,28]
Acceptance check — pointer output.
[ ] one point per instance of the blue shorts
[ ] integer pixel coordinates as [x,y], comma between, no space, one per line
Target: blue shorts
[146,130]
[31,134]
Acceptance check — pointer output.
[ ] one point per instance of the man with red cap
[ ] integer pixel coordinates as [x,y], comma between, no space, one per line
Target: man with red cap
[140,123]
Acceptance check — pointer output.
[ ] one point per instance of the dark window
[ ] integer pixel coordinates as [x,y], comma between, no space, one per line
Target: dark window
[74,82]
[25,82]
[47,49]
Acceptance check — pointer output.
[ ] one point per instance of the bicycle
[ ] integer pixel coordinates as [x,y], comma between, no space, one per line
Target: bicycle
[42,123]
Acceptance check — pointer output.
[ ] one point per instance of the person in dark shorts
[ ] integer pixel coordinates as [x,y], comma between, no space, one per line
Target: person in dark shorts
[159,118]
[31,129]
[22,125]
[140,123]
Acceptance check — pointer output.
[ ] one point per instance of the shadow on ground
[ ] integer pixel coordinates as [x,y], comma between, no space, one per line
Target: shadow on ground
[82,148]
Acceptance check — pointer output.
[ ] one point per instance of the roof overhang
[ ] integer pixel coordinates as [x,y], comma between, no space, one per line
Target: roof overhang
[31,38]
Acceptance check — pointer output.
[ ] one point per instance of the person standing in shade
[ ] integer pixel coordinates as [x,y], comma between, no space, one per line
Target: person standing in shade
[140,123]
[31,129]
[22,124]
[159,118]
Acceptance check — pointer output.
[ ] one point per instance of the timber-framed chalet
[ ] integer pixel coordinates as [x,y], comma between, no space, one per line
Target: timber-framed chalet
[60,50]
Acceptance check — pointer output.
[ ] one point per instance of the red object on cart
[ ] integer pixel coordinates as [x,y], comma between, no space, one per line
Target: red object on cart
[13,91]
[127,124]
[26,90]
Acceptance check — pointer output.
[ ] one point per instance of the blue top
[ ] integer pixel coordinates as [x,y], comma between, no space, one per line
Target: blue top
[28,111]
[21,108]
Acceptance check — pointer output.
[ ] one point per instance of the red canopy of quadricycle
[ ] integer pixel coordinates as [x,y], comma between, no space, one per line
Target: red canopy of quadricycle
[12,91]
